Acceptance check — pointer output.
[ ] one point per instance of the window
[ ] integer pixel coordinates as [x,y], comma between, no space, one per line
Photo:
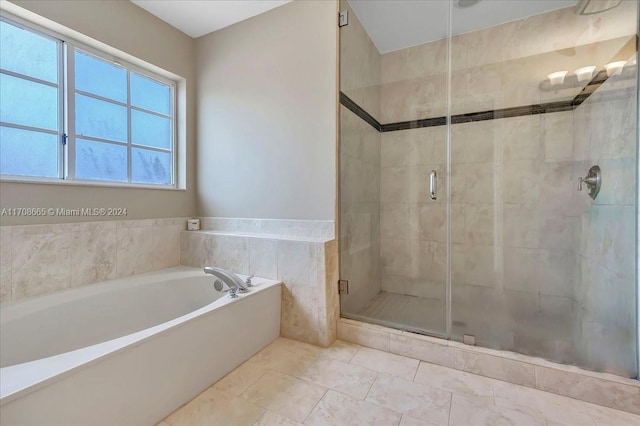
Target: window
[70,113]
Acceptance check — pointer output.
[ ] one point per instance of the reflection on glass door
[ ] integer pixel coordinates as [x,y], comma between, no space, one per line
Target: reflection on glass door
[517,102]
[393,234]
[537,266]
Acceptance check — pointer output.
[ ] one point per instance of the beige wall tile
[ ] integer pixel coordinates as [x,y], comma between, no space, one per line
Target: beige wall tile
[75,254]
[474,142]
[147,248]
[494,367]
[5,263]
[557,136]
[300,318]
[365,336]
[428,221]
[263,258]
[395,149]
[195,248]
[298,263]
[394,221]
[602,392]
[394,185]
[40,262]
[432,350]
[522,269]
[521,226]
[230,252]
[473,265]
[93,256]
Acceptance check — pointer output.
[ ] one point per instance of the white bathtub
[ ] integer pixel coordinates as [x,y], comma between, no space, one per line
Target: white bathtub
[127,351]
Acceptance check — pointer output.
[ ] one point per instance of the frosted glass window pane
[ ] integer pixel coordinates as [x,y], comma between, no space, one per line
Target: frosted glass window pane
[150,166]
[27,53]
[28,103]
[101,161]
[100,119]
[150,94]
[99,77]
[150,130]
[26,153]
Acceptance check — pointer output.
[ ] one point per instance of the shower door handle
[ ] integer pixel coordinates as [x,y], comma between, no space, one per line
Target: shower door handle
[433,185]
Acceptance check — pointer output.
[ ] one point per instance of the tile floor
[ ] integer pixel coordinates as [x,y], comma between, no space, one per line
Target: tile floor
[293,383]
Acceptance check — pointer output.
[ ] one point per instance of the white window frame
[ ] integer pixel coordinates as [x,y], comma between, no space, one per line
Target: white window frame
[66,113]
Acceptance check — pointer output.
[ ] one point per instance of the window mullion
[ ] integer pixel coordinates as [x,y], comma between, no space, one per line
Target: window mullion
[61,112]
[70,115]
[129,151]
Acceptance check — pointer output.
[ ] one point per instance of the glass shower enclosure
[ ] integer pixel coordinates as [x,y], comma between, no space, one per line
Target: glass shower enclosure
[488,174]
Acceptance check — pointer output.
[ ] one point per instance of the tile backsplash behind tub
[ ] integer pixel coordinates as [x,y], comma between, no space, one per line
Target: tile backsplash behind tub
[39,259]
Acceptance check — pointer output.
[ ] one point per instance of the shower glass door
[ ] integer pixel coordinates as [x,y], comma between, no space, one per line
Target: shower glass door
[393,138]
[537,266]
[515,101]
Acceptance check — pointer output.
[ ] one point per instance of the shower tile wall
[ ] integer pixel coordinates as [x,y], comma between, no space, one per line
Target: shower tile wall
[520,231]
[360,165]
[605,295]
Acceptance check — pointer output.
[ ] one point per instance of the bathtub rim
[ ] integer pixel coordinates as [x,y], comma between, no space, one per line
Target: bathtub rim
[13,385]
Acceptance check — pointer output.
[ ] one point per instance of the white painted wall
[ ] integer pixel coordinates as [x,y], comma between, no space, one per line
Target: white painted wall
[267,102]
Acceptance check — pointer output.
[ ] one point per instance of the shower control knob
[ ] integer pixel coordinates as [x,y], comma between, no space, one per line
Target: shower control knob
[593,181]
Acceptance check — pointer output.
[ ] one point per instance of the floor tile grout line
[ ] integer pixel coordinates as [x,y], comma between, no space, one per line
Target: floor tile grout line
[450,408]
[261,406]
[354,355]
[371,386]
[315,406]
[586,408]
[252,383]
[413,379]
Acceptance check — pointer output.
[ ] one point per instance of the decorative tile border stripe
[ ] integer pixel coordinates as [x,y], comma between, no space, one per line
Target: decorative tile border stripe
[598,388]
[359,111]
[544,108]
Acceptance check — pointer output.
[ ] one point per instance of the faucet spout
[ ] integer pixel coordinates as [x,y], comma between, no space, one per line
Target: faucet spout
[229,278]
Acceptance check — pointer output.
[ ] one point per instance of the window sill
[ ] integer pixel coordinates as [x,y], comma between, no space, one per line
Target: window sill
[93,184]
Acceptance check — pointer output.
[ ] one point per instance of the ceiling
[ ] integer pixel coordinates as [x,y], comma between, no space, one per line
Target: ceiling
[397,24]
[199,17]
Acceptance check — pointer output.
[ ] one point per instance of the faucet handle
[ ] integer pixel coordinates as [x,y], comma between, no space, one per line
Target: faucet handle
[248,280]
